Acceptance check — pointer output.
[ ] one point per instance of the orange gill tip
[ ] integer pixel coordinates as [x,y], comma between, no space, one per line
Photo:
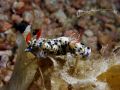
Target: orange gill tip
[72,43]
[72,34]
[78,38]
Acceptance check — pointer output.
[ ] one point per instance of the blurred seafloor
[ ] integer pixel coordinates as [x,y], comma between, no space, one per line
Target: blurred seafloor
[100,31]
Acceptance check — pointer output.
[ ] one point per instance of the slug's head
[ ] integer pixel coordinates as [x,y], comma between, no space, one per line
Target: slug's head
[31,46]
[29,49]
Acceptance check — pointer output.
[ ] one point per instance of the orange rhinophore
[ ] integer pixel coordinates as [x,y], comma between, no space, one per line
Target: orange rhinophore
[38,34]
[28,37]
